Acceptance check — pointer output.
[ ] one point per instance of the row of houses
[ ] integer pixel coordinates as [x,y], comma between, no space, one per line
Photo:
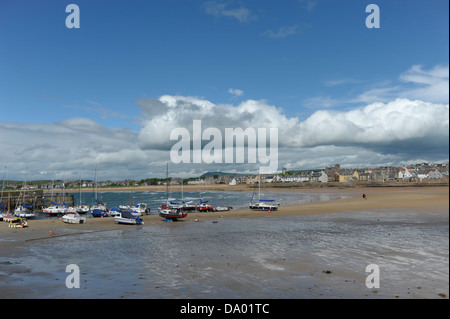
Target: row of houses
[336,174]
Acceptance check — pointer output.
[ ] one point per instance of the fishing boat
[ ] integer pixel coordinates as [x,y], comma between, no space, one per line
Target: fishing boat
[173,214]
[204,207]
[128,218]
[73,217]
[262,204]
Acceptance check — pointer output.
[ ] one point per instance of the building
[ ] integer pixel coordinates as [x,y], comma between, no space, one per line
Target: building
[347,175]
[319,177]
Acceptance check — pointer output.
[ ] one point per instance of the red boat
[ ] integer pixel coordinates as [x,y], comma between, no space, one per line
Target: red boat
[168,210]
[204,207]
[172,214]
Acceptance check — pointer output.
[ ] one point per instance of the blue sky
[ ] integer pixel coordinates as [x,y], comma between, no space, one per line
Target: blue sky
[299,57]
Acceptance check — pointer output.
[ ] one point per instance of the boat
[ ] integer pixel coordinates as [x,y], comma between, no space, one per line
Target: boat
[73,217]
[204,207]
[188,205]
[170,211]
[113,212]
[173,214]
[223,208]
[98,209]
[54,210]
[262,204]
[137,210]
[7,216]
[24,211]
[82,209]
[128,218]
[18,222]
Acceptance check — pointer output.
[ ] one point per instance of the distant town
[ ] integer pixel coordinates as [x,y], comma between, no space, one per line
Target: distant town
[414,173]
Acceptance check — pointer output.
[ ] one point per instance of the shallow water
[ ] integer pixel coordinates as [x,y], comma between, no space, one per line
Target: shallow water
[267,257]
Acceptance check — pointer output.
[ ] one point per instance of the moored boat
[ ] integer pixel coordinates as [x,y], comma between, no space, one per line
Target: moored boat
[173,214]
[54,210]
[24,211]
[262,204]
[17,222]
[204,207]
[73,217]
[82,209]
[128,218]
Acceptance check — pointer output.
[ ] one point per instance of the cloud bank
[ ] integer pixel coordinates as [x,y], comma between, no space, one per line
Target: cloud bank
[384,132]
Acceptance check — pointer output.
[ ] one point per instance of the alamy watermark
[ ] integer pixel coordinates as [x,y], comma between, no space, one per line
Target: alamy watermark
[73,279]
[373,279]
[223,149]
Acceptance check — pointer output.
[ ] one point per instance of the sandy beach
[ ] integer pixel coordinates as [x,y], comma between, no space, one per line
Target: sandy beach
[313,250]
[378,198]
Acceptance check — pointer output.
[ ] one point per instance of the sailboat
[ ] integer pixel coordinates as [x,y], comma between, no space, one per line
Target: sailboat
[137,210]
[167,210]
[262,204]
[24,211]
[81,209]
[54,208]
[99,208]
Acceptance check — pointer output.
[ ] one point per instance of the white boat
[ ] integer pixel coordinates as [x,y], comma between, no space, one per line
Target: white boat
[128,219]
[137,210]
[82,209]
[73,218]
[7,217]
[24,212]
[54,210]
[223,208]
[262,204]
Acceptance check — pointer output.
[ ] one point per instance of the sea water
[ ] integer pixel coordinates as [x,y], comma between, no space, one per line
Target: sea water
[309,256]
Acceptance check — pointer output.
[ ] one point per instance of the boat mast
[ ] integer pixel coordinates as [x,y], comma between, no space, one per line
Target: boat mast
[80,189]
[3,186]
[95,186]
[259,186]
[167,183]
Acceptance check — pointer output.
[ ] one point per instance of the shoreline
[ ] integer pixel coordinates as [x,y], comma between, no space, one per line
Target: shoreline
[269,186]
[413,198]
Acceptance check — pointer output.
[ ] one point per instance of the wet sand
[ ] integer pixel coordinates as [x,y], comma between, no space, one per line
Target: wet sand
[225,267]
[378,198]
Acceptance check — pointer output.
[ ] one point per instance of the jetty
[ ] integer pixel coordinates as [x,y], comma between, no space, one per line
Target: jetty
[12,199]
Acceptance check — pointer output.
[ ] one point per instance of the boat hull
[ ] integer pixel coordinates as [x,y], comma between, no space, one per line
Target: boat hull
[127,221]
[263,207]
[172,215]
